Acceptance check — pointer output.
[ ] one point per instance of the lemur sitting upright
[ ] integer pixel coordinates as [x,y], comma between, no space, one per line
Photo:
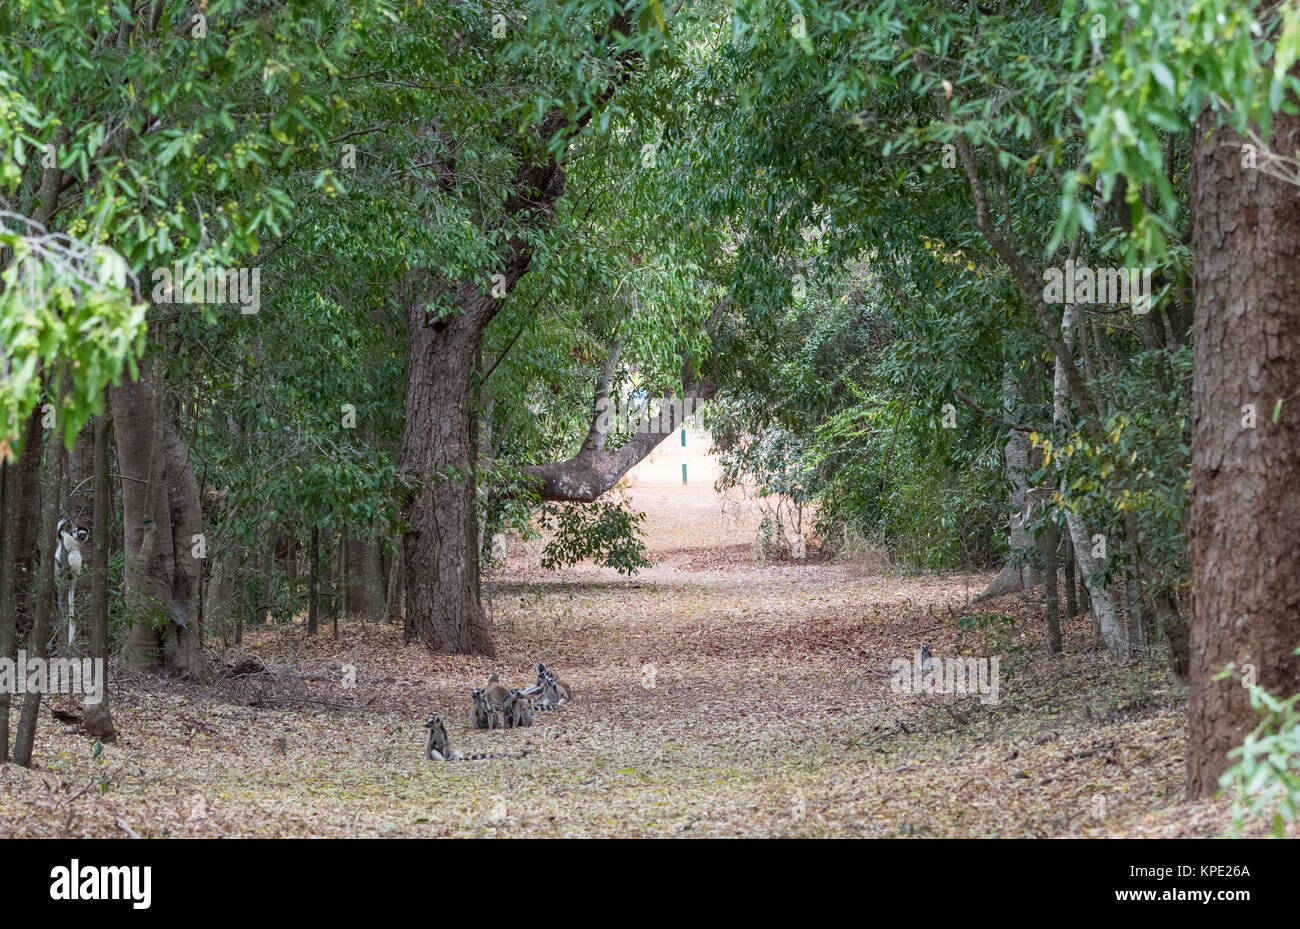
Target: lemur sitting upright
[67,554]
[69,561]
[484,714]
[437,747]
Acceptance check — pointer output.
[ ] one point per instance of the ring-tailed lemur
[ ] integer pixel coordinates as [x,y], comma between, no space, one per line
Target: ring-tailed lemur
[550,692]
[927,661]
[484,714]
[69,561]
[555,693]
[518,710]
[437,747]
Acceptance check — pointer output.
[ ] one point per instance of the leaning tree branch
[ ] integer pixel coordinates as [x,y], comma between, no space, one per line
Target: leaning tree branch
[594,470]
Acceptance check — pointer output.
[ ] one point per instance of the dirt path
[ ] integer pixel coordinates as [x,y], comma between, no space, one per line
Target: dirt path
[714,697]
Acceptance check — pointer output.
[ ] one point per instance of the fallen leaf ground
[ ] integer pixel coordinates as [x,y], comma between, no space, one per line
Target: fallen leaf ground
[715,697]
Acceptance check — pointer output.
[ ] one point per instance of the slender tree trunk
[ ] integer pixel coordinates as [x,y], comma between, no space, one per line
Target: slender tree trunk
[25,489]
[341,599]
[98,716]
[1103,602]
[313,583]
[1245,509]
[220,596]
[56,458]
[1019,573]
[1048,545]
[1133,594]
[393,604]
[1071,602]
[8,624]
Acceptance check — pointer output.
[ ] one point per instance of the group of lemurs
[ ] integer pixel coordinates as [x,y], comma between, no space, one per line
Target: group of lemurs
[499,707]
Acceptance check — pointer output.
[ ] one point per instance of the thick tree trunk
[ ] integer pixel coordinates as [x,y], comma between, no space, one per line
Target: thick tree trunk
[1245,508]
[98,717]
[442,598]
[161,515]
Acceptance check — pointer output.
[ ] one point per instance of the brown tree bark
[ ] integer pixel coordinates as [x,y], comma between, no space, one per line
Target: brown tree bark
[437,456]
[56,458]
[25,485]
[442,600]
[98,716]
[161,515]
[1244,509]
[313,584]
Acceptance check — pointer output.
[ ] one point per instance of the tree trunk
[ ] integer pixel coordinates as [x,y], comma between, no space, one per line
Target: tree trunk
[1048,544]
[393,604]
[1103,602]
[98,717]
[8,624]
[1071,602]
[56,458]
[25,488]
[221,595]
[1018,573]
[313,584]
[442,598]
[1244,509]
[365,579]
[161,515]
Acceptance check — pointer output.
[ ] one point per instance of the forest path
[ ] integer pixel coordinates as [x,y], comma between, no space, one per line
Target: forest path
[714,696]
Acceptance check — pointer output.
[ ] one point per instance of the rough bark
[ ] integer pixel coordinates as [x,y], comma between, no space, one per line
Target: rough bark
[161,514]
[1244,509]
[38,647]
[98,720]
[437,457]
[442,599]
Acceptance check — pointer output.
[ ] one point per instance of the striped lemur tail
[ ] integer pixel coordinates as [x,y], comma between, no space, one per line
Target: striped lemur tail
[437,746]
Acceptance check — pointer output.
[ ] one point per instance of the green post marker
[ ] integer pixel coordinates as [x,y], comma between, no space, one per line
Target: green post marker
[683,455]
